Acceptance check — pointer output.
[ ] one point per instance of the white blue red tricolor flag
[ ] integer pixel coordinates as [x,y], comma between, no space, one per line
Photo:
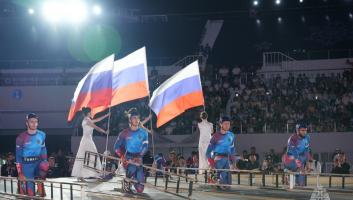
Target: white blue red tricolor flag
[95,89]
[177,94]
[130,79]
[110,83]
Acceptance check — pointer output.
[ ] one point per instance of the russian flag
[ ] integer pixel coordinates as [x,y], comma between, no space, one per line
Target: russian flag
[177,94]
[130,79]
[95,88]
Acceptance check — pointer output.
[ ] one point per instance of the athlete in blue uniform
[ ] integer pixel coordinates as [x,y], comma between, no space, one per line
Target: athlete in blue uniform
[131,146]
[31,157]
[298,152]
[221,151]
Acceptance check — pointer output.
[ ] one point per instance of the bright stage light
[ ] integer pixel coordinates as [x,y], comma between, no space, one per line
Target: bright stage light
[278,2]
[52,11]
[30,11]
[64,10]
[97,10]
[255,3]
[77,11]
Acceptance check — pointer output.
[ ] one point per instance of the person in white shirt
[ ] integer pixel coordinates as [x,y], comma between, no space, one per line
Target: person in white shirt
[206,130]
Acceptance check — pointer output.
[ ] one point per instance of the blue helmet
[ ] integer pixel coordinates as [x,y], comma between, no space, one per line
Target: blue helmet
[31,115]
[300,125]
[224,119]
[132,112]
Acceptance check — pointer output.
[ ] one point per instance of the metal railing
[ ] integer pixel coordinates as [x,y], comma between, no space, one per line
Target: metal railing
[321,54]
[40,63]
[62,63]
[176,178]
[9,186]
[275,59]
[36,79]
[263,179]
[187,60]
[277,127]
[165,175]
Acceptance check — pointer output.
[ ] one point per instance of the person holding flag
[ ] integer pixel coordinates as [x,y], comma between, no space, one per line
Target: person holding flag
[131,146]
[206,130]
[109,83]
[87,144]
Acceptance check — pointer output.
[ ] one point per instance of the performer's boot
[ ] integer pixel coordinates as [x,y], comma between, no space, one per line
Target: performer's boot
[21,185]
[126,186]
[41,189]
[212,177]
[43,169]
[80,179]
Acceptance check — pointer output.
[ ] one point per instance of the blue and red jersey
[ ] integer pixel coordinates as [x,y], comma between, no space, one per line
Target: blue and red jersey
[31,146]
[222,144]
[299,147]
[132,142]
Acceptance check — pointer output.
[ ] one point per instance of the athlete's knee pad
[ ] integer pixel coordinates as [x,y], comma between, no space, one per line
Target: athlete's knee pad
[139,188]
[44,166]
[43,169]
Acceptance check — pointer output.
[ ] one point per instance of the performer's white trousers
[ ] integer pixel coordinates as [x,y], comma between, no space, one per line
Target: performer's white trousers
[203,163]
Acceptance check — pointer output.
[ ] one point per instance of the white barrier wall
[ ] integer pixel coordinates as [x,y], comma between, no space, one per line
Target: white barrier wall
[51,103]
[310,67]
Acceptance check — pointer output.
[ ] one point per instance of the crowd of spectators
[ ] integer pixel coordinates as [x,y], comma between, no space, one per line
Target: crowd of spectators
[60,164]
[340,164]
[259,104]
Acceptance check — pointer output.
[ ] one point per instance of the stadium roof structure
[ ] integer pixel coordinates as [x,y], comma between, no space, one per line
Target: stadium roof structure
[173,29]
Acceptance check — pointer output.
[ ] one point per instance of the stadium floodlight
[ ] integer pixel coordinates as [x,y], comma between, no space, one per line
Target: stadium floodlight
[255,3]
[52,11]
[279,19]
[64,10]
[76,11]
[278,2]
[97,10]
[30,11]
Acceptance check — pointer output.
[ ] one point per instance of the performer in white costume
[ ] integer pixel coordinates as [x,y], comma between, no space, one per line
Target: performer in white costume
[87,144]
[206,130]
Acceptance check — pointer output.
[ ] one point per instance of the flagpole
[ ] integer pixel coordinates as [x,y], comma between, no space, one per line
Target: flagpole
[204,103]
[106,143]
[151,123]
[149,100]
